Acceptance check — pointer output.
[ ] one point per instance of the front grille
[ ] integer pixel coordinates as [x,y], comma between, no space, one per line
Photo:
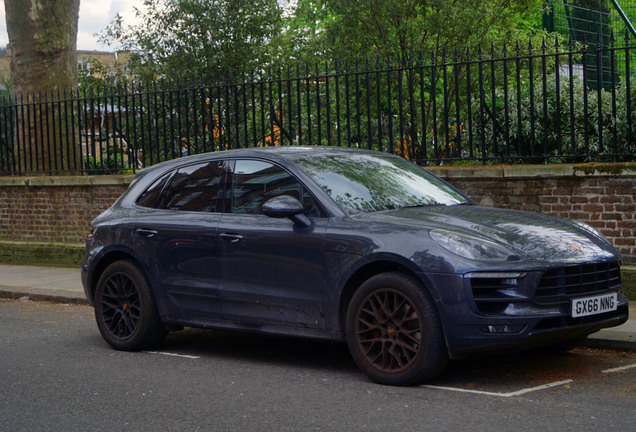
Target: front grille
[530,293]
[578,280]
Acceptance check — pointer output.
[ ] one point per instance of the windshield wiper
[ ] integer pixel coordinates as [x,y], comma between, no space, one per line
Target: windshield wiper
[423,205]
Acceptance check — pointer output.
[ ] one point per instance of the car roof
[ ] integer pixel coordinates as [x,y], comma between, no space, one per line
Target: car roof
[276,154]
[282,152]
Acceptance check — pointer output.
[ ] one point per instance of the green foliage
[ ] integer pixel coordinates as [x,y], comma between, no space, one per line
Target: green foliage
[568,123]
[337,29]
[111,161]
[6,87]
[237,37]
[99,77]
[425,50]
[197,37]
[300,40]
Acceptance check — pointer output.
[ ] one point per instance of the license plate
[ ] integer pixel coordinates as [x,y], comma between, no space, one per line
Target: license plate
[594,305]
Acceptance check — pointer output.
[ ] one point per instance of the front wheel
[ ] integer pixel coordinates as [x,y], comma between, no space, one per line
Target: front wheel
[394,332]
[125,310]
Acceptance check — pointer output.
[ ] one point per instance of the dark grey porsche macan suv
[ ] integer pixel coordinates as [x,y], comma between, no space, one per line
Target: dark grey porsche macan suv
[342,244]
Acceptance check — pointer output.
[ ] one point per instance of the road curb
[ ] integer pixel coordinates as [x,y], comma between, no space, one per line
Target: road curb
[17,294]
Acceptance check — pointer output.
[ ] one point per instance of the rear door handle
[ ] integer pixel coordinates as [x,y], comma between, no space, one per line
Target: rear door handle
[232,238]
[146,232]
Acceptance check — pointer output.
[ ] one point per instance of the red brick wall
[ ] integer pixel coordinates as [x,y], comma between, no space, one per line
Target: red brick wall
[54,209]
[58,209]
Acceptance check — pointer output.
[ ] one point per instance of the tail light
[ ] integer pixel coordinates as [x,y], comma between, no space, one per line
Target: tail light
[91,234]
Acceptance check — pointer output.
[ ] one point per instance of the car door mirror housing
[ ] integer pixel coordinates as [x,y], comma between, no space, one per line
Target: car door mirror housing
[285,206]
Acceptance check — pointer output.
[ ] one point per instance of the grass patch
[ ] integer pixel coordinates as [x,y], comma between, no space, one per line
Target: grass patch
[41,254]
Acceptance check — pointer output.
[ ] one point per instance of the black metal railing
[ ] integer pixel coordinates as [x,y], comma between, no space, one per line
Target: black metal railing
[587,21]
[519,104]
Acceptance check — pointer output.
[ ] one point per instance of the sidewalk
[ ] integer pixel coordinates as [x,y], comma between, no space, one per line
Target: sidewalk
[63,285]
[56,284]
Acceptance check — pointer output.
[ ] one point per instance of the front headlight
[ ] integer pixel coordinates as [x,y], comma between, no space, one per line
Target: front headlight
[471,247]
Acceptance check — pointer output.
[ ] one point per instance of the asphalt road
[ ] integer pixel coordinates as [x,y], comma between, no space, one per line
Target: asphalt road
[57,374]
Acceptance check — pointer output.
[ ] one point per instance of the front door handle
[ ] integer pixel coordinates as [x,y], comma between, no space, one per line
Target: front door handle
[146,232]
[232,238]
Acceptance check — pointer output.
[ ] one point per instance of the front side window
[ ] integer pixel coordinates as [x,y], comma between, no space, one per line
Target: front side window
[196,188]
[254,182]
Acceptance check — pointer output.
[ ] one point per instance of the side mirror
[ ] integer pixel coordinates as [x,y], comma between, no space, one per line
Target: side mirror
[285,206]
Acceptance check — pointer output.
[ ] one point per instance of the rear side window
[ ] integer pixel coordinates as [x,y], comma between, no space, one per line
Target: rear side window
[150,197]
[196,188]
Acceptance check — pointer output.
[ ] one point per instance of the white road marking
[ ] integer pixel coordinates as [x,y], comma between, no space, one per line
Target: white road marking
[173,354]
[619,369]
[510,394]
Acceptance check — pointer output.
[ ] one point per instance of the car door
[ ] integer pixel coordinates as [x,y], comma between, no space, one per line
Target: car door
[271,272]
[177,241]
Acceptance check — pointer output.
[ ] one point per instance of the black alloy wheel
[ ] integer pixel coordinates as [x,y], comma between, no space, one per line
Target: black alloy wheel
[125,311]
[393,331]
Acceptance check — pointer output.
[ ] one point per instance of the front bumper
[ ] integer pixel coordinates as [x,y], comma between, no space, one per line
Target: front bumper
[516,316]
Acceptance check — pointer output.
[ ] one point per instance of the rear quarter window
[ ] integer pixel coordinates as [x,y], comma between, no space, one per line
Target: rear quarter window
[150,197]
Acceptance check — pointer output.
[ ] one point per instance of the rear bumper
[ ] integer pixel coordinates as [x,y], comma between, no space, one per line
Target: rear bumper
[84,276]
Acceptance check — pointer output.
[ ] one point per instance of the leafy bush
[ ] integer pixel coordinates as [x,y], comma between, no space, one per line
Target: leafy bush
[535,128]
[111,162]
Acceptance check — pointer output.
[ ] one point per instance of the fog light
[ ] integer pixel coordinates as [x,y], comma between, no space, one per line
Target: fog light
[505,328]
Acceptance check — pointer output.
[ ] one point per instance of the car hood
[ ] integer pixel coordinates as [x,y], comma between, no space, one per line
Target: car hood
[532,236]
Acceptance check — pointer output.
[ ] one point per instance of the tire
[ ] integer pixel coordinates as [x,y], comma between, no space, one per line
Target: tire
[125,310]
[394,332]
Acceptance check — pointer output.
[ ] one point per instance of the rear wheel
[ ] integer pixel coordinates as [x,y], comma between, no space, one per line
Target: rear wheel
[394,332]
[125,310]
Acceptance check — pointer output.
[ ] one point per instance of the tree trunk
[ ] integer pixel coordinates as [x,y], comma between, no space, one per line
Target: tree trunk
[42,42]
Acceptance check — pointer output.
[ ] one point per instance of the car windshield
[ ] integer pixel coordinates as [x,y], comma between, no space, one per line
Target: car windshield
[366,182]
